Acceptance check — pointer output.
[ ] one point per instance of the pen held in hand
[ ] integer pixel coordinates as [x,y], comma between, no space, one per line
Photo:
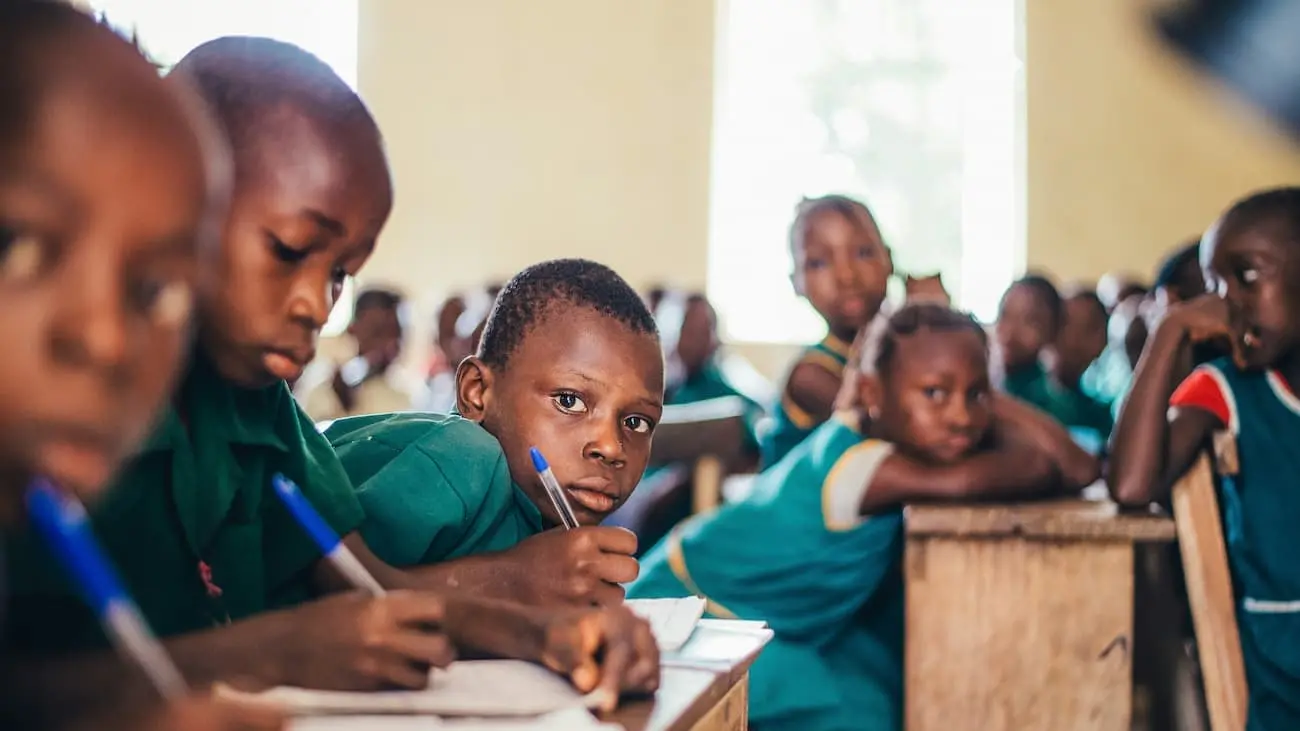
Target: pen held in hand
[331,546]
[553,490]
[62,523]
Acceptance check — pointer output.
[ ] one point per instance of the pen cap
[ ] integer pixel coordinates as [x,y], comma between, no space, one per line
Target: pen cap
[320,531]
[62,523]
[539,462]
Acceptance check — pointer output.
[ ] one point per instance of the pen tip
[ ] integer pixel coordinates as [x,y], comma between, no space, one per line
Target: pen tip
[539,462]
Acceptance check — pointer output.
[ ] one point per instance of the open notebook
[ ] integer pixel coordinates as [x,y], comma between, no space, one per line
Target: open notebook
[466,688]
[573,719]
[672,620]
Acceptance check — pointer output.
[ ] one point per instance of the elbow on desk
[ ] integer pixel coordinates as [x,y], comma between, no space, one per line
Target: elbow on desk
[1130,492]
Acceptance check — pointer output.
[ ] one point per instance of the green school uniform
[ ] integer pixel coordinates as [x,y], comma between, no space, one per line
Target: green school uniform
[711,383]
[1088,419]
[790,424]
[192,523]
[796,554]
[433,487]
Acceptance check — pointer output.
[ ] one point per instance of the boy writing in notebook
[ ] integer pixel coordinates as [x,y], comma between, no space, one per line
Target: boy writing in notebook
[842,267]
[96,283]
[570,364]
[215,561]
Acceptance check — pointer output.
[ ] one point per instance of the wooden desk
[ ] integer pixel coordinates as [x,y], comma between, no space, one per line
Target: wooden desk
[698,700]
[1021,616]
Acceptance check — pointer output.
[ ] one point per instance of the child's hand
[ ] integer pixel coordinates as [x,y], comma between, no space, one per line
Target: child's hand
[207,714]
[582,566]
[609,649]
[357,642]
[1203,319]
[1022,423]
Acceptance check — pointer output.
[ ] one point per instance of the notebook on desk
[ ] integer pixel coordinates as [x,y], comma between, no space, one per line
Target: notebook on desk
[466,688]
[671,620]
[573,719]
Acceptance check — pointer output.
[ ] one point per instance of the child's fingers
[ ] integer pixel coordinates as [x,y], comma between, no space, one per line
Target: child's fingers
[618,656]
[398,671]
[617,568]
[426,648]
[644,673]
[608,595]
[613,539]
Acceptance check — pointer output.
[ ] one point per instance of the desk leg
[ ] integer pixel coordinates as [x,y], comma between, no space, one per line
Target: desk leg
[731,713]
[1008,634]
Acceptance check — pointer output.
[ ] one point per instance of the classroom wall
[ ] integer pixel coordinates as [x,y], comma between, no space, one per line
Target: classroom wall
[1129,152]
[520,131]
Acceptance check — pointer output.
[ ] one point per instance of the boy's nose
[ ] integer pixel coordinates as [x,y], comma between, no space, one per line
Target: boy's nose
[605,444]
[311,303]
[90,326]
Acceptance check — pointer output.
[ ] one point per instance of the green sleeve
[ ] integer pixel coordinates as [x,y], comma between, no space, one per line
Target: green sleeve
[313,465]
[433,488]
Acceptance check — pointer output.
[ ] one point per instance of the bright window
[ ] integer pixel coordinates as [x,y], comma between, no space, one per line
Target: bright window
[914,106]
[169,29]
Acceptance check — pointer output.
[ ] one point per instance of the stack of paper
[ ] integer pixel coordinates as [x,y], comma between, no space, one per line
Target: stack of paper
[671,620]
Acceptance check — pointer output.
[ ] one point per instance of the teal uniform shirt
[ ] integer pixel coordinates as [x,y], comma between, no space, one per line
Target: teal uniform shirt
[1261,510]
[433,487]
[192,523]
[1088,419]
[796,554]
[790,424]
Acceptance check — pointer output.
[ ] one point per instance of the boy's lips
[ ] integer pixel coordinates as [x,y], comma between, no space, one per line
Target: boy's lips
[284,364]
[597,495]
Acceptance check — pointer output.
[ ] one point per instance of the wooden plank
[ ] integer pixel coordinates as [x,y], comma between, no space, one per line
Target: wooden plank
[1049,519]
[1209,591]
[1009,634]
[731,713]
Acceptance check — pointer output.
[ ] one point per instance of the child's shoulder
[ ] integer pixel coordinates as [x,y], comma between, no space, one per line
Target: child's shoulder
[830,353]
[439,437]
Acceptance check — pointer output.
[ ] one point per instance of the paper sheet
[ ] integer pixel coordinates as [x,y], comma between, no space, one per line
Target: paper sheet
[491,688]
[573,719]
[671,620]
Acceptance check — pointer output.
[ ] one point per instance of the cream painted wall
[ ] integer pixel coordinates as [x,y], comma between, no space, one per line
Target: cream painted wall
[523,130]
[1129,152]
[520,131]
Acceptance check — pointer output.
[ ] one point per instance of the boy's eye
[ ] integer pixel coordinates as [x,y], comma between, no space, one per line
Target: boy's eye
[284,252]
[167,302]
[934,393]
[639,424]
[866,252]
[21,255]
[1250,275]
[814,264]
[978,395]
[569,402]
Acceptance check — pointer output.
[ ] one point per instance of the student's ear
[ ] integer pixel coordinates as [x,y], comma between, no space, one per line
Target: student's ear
[473,388]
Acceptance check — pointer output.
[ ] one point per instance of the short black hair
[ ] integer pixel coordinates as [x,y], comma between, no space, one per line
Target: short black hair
[1281,204]
[883,335]
[378,298]
[241,77]
[1043,287]
[533,293]
[850,208]
[1089,296]
[1186,255]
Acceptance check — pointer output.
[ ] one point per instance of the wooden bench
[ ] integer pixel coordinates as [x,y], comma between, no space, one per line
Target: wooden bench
[1209,591]
[1020,616]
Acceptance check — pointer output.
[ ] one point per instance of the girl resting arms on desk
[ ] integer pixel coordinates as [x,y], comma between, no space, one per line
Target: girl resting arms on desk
[821,564]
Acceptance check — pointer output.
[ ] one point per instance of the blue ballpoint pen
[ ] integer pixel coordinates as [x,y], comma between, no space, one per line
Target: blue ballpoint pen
[553,490]
[61,521]
[324,536]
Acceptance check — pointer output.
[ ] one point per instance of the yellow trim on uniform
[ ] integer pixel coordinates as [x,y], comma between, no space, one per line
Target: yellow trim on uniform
[796,414]
[677,563]
[829,482]
[825,360]
[836,345]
